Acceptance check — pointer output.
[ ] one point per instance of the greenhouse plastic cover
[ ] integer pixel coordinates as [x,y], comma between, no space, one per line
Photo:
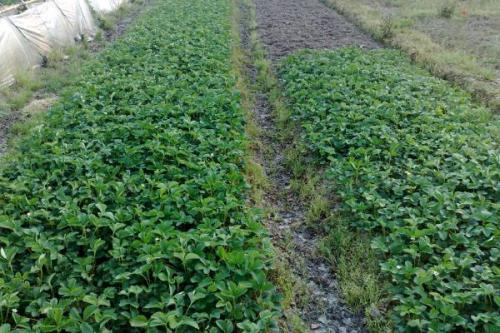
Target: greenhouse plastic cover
[45,27]
[105,6]
[15,52]
[26,37]
[78,13]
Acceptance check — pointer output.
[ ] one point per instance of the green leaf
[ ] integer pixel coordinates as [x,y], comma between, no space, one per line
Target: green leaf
[189,322]
[86,328]
[2,253]
[225,325]
[139,321]
[5,328]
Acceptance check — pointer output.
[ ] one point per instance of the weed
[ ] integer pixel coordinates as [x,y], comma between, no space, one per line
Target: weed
[319,209]
[105,23]
[447,9]
[387,27]
[295,324]
[294,159]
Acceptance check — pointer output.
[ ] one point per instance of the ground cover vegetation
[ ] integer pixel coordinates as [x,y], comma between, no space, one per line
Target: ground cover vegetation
[455,39]
[8,2]
[414,165]
[124,208]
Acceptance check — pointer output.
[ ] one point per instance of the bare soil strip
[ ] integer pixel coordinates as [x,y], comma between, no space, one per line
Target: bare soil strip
[6,123]
[285,26]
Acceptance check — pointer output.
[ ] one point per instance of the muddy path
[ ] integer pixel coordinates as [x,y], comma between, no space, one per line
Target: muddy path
[285,26]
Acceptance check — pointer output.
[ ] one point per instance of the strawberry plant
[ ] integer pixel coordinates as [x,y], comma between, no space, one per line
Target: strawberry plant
[124,210]
[415,162]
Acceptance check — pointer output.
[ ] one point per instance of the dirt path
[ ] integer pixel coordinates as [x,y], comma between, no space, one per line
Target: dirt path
[285,26]
[5,124]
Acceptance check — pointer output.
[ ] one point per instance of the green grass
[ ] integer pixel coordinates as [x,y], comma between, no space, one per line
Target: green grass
[356,265]
[414,165]
[125,208]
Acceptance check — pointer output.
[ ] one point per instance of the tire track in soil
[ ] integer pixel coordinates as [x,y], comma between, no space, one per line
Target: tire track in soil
[285,26]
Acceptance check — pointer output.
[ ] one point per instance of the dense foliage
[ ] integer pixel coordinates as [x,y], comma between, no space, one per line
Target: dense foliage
[414,161]
[124,210]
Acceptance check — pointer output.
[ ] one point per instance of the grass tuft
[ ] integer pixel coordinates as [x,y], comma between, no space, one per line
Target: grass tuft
[447,9]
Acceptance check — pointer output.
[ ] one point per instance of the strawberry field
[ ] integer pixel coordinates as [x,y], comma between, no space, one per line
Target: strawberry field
[160,193]
[125,209]
[416,163]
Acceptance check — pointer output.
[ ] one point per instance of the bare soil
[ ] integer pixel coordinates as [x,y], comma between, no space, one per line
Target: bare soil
[479,35]
[5,124]
[286,26]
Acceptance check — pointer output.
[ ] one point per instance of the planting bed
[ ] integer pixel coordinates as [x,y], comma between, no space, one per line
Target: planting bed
[124,209]
[416,163]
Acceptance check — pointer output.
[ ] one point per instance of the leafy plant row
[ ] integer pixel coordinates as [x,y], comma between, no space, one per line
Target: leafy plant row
[415,163]
[124,210]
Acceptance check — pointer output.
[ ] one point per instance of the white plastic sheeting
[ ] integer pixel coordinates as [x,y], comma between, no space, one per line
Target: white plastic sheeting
[44,27]
[105,6]
[78,14]
[15,52]
[26,37]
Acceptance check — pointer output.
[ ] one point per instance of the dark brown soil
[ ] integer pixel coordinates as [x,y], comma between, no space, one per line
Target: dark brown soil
[286,26]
